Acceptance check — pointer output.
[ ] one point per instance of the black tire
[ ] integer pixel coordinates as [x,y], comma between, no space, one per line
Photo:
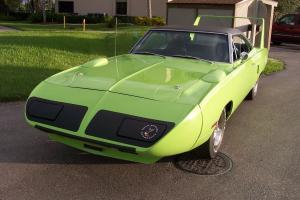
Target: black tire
[208,150]
[276,43]
[253,92]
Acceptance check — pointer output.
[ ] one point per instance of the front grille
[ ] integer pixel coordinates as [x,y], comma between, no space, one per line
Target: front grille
[61,115]
[125,128]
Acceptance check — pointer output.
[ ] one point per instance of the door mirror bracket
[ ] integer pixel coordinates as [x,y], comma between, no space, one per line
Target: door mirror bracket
[244,56]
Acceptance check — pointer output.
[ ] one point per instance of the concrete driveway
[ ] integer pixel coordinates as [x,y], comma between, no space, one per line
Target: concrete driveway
[262,139]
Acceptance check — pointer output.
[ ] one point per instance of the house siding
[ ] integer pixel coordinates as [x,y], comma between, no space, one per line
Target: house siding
[185,14]
[134,7]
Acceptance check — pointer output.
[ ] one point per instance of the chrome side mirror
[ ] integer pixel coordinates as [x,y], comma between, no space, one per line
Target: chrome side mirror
[244,56]
[292,23]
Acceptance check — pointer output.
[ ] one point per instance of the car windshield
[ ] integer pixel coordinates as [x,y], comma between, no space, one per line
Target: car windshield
[191,45]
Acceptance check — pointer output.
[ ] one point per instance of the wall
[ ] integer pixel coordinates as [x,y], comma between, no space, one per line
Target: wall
[245,9]
[83,7]
[255,8]
[185,14]
[134,7]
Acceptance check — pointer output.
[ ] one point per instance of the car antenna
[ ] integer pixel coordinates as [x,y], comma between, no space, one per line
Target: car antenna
[116,35]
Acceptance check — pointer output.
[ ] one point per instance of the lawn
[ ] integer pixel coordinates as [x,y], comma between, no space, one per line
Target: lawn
[26,26]
[273,66]
[27,57]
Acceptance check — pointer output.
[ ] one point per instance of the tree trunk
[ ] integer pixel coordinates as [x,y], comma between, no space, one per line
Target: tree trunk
[149,8]
[44,11]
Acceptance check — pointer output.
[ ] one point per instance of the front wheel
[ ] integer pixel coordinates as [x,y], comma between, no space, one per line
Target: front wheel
[210,149]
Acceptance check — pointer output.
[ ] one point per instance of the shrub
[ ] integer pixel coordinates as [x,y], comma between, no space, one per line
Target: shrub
[38,17]
[7,18]
[95,18]
[158,21]
[15,16]
[146,21]
[126,19]
[110,21]
[73,19]
[20,15]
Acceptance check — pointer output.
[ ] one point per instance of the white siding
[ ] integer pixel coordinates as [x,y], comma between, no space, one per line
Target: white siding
[181,16]
[134,7]
[216,12]
[187,16]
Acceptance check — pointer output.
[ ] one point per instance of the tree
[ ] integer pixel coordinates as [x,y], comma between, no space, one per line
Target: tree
[286,6]
[3,7]
[12,4]
[149,2]
[43,7]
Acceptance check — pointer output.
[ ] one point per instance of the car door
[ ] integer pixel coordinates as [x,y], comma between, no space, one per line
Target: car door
[284,29]
[296,30]
[247,71]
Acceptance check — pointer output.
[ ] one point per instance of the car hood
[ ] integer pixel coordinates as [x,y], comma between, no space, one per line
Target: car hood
[169,79]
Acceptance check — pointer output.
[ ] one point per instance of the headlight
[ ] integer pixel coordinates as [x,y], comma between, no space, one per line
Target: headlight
[142,130]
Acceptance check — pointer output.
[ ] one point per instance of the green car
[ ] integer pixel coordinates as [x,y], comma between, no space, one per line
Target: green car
[172,93]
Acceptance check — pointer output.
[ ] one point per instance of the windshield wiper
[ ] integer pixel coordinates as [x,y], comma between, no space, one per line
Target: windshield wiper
[149,53]
[192,57]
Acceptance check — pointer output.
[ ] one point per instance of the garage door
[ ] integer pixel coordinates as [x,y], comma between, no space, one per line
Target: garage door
[181,16]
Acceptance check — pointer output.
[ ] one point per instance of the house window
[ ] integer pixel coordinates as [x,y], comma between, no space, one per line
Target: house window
[121,7]
[66,7]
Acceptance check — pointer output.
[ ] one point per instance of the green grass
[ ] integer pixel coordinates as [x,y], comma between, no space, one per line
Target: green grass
[30,56]
[26,26]
[273,66]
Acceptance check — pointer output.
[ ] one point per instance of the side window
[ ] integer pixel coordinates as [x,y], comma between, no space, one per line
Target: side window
[240,45]
[287,20]
[156,40]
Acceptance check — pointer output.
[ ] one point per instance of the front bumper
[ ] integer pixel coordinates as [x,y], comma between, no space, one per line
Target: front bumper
[100,148]
[176,140]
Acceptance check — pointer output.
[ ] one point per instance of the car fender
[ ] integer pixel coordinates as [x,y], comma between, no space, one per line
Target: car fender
[182,138]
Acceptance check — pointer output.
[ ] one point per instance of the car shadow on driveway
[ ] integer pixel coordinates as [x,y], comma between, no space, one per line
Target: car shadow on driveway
[41,150]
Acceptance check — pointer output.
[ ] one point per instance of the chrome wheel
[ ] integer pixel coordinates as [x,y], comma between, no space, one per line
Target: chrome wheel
[255,89]
[210,148]
[218,133]
[253,92]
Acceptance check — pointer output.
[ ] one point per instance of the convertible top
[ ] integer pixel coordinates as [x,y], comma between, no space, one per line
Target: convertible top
[219,30]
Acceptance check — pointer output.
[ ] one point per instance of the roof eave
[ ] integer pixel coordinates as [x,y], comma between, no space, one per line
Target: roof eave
[270,2]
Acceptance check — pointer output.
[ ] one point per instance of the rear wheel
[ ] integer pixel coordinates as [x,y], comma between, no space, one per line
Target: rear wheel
[253,92]
[211,148]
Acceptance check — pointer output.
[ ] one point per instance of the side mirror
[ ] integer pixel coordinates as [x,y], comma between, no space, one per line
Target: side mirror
[292,24]
[244,56]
